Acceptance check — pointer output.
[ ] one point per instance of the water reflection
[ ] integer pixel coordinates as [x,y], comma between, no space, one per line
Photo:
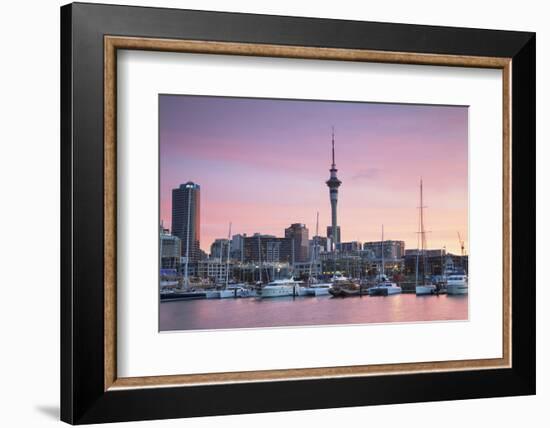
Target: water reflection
[308,311]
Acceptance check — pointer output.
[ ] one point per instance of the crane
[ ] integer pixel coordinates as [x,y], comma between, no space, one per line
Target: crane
[461,241]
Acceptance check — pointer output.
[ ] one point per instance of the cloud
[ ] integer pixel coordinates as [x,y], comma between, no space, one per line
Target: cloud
[367,174]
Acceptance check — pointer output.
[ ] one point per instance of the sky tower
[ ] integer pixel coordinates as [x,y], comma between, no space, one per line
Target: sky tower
[333,184]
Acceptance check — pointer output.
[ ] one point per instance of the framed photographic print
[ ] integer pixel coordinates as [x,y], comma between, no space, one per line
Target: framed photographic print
[281,213]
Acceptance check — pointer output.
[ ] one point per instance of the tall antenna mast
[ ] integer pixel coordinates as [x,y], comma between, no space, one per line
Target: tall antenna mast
[333,160]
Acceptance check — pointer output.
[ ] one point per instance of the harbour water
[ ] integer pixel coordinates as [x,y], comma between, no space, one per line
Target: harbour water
[309,311]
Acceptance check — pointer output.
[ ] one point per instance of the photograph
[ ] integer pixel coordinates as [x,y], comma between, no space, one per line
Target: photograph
[289,213]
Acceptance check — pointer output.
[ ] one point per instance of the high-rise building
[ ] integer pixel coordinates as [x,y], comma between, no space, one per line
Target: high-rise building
[186,223]
[299,242]
[333,184]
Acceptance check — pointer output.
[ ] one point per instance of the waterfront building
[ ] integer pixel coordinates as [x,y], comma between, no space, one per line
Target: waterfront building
[350,247]
[170,250]
[218,248]
[428,253]
[298,235]
[301,270]
[266,248]
[237,247]
[186,219]
[350,265]
[322,244]
[330,242]
[333,184]
[214,269]
[437,261]
[392,249]
[264,272]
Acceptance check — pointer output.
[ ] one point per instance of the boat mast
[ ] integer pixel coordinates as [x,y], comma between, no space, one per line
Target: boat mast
[418,237]
[160,252]
[228,252]
[443,253]
[314,252]
[383,267]
[422,235]
[160,243]
[260,257]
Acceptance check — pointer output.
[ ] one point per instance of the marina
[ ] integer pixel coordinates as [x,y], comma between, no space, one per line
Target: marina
[309,311]
[269,280]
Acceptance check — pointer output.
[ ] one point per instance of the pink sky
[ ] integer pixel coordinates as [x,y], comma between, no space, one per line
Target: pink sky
[262,164]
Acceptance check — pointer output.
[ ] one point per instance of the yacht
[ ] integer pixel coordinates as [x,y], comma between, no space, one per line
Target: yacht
[424,288]
[173,295]
[280,288]
[457,284]
[384,288]
[321,289]
[314,287]
[212,294]
[235,290]
[343,287]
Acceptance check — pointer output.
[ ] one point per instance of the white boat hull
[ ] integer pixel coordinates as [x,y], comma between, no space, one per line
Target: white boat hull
[278,291]
[317,291]
[236,292]
[424,290]
[212,294]
[457,289]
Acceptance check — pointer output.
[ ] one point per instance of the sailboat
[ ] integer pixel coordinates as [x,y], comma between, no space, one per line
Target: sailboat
[384,286]
[314,287]
[422,288]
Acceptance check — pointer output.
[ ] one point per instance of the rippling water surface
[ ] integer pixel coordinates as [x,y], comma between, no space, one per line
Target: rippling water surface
[307,311]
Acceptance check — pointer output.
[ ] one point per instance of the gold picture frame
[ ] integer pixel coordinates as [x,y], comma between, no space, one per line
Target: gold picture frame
[114,43]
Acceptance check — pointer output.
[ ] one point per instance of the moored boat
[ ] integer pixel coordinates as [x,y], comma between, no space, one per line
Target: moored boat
[212,294]
[236,290]
[426,288]
[343,287]
[457,284]
[174,295]
[318,289]
[280,288]
[385,288]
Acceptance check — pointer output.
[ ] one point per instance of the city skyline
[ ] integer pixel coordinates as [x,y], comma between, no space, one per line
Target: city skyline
[262,164]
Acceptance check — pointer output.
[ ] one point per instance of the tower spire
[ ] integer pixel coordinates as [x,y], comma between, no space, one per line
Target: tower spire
[333,161]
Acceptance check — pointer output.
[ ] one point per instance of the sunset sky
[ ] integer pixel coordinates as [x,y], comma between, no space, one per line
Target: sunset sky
[262,164]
